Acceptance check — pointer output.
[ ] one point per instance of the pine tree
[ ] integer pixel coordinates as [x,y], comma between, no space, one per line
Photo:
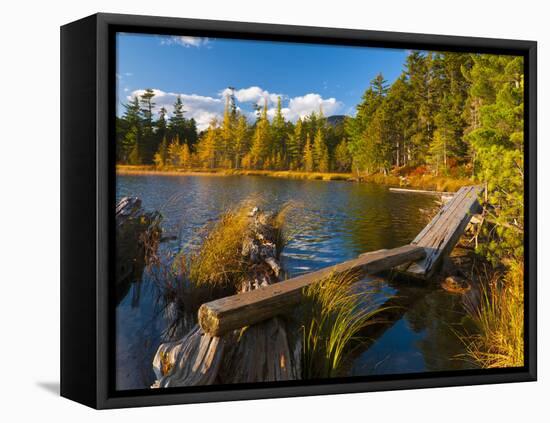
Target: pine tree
[360,144]
[185,155]
[209,146]
[161,126]
[295,146]
[177,119]
[131,138]
[342,157]
[320,152]
[185,129]
[148,144]
[130,149]
[400,110]
[174,149]
[308,155]
[161,156]
[241,141]
[228,153]
[261,141]
[278,131]
[416,70]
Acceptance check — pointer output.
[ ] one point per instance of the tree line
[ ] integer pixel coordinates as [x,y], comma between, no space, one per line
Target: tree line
[139,135]
[439,114]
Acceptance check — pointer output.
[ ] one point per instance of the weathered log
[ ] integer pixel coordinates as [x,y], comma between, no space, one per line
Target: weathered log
[230,313]
[193,360]
[137,236]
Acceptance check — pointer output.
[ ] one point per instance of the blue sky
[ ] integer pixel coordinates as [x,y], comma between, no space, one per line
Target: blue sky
[306,76]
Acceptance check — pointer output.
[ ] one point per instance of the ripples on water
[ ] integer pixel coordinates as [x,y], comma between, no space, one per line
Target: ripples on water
[335,221]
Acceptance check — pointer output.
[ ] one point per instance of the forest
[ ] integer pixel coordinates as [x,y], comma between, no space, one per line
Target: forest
[438,117]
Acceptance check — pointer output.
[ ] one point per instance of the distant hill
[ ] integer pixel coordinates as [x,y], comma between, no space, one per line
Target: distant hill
[336,120]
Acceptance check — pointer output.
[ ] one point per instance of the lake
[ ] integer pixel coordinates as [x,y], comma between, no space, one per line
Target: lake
[337,220]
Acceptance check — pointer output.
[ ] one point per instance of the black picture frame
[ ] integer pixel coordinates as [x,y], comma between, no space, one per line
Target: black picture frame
[87,201]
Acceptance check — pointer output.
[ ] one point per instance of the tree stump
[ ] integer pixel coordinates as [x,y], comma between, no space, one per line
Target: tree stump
[258,353]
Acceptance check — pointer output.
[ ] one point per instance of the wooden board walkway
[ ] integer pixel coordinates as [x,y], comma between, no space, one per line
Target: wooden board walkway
[221,316]
[440,236]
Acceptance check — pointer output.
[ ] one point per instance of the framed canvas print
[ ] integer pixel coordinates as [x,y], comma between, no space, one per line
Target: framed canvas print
[255,211]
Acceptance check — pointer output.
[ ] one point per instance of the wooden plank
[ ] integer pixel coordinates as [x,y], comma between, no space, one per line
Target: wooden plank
[234,312]
[440,236]
[440,222]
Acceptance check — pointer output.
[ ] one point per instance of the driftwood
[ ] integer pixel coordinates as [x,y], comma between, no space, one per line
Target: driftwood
[137,236]
[193,360]
[258,353]
[229,313]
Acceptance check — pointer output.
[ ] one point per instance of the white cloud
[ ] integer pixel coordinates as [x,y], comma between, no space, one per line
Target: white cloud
[253,94]
[300,107]
[202,108]
[185,41]
[205,108]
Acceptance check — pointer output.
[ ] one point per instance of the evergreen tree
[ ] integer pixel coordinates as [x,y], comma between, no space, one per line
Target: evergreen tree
[191,135]
[360,145]
[278,131]
[209,146]
[320,152]
[295,146]
[261,141]
[148,144]
[132,138]
[400,111]
[161,156]
[185,155]
[241,141]
[174,149]
[226,129]
[161,127]
[342,157]
[421,71]
[497,85]
[130,149]
[308,155]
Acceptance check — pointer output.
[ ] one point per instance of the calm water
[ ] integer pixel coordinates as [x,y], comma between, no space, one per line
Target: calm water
[337,221]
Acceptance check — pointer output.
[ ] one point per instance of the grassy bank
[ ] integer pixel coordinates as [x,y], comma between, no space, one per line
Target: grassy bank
[427,182]
[500,320]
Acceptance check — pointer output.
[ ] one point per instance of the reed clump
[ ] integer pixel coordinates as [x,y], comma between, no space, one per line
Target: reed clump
[500,320]
[219,261]
[335,316]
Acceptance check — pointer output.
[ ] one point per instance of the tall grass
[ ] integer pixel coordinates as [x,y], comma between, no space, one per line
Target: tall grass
[500,321]
[335,315]
[218,262]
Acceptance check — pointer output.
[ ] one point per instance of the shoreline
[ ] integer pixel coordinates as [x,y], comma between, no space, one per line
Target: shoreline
[426,182]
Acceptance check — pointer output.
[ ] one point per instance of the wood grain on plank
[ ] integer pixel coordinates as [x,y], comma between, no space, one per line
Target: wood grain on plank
[229,313]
